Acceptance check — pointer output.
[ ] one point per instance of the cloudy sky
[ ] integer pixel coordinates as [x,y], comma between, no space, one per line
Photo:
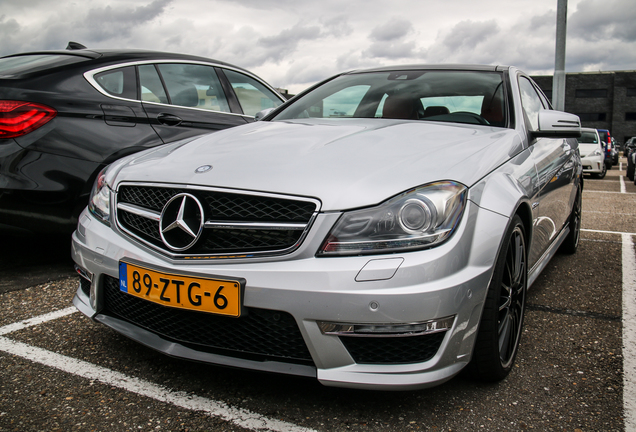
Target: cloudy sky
[295,43]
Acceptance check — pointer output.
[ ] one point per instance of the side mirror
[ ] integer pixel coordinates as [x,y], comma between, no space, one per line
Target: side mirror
[558,124]
[259,115]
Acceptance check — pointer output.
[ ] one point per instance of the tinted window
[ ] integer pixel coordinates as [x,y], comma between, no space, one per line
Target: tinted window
[252,95]
[120,82]
[448,96]
[195,86]
[531,102]
[151,87]
[11,66]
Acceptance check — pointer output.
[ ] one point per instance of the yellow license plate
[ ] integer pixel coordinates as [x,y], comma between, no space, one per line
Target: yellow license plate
[218,296]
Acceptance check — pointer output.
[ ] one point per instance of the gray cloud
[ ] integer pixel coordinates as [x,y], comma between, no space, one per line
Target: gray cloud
[596,20]
[389,40]
[394,29]
[91,26]
[337,26]
[469,34]
[293,44]
[108,22]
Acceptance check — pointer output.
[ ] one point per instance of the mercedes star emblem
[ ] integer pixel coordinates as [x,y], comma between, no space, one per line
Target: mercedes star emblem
[181,222]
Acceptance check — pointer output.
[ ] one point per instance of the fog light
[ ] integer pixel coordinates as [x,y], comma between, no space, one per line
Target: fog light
[387,330]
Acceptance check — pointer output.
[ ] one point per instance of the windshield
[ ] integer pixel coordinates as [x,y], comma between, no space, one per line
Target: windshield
[588,138]
[439,95]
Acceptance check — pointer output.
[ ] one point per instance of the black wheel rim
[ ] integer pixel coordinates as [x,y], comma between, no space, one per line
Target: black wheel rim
[512,298]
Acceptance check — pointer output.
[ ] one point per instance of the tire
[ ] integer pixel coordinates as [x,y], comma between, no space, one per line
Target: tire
[601,174]
[501,324]
[571,242]
[630,173]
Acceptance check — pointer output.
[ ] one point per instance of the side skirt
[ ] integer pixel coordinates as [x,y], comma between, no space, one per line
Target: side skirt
[536,270]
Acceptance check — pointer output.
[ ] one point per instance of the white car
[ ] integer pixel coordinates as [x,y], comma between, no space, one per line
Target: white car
[592,154]
[341,237]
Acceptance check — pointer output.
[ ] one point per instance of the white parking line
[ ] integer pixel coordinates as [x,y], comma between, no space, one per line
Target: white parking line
[237,416]
[36,320]
[608,232]
[629,332]
[608,192]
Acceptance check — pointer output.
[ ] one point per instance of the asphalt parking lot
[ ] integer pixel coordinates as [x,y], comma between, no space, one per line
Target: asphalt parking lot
[61,372]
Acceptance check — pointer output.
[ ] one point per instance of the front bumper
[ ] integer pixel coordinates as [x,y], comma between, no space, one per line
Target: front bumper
[450,280]
[592,164]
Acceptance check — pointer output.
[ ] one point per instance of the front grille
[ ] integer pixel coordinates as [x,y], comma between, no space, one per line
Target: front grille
[393,350]
[260,334]
[232,210]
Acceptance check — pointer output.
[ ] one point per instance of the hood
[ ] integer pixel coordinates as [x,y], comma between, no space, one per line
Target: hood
[345,163]
[587,148]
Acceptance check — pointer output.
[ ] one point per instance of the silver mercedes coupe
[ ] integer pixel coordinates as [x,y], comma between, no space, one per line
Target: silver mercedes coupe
[379,230]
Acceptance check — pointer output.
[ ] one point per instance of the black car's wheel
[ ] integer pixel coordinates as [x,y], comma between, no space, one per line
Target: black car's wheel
[602,173]
[502,318]
[571,242]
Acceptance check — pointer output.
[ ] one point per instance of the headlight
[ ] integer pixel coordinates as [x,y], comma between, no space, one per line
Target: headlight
[597,152]
[417,219]
[99,202]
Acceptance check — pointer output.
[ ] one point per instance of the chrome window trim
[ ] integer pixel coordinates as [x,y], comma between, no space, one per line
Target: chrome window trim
[90,77]
[139,211]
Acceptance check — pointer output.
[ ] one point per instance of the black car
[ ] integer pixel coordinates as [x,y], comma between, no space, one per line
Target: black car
[628,152]
[65,115]
[606,138]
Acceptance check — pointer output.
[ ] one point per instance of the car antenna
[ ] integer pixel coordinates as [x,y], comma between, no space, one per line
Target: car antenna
[75,46]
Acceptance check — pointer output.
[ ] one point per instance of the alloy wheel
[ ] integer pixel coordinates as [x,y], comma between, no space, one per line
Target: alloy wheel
[512,298]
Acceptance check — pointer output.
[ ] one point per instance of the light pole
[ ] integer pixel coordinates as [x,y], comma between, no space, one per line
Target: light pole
[558,83]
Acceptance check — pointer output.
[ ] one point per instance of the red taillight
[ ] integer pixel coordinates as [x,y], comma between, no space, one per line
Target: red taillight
[18,118]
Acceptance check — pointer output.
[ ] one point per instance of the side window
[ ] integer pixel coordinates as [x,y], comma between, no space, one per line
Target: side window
[193,85]
[151,87]
[120,82]
[252,95]
[531,102]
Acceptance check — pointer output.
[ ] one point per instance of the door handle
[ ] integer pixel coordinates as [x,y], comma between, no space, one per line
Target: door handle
[169,119]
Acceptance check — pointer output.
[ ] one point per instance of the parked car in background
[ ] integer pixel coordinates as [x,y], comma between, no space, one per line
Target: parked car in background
[630,147]
[64,115]
[341,237]
[615,150]
[592,155]
[606,138]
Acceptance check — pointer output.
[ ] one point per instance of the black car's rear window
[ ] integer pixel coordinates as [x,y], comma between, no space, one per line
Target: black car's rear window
[14,66]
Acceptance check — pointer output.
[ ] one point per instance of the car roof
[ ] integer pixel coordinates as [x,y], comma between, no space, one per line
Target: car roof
[466,67]
[113,56]
[583,129]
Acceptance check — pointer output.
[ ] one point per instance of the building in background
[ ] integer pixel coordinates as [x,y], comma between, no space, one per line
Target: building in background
[603,100]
